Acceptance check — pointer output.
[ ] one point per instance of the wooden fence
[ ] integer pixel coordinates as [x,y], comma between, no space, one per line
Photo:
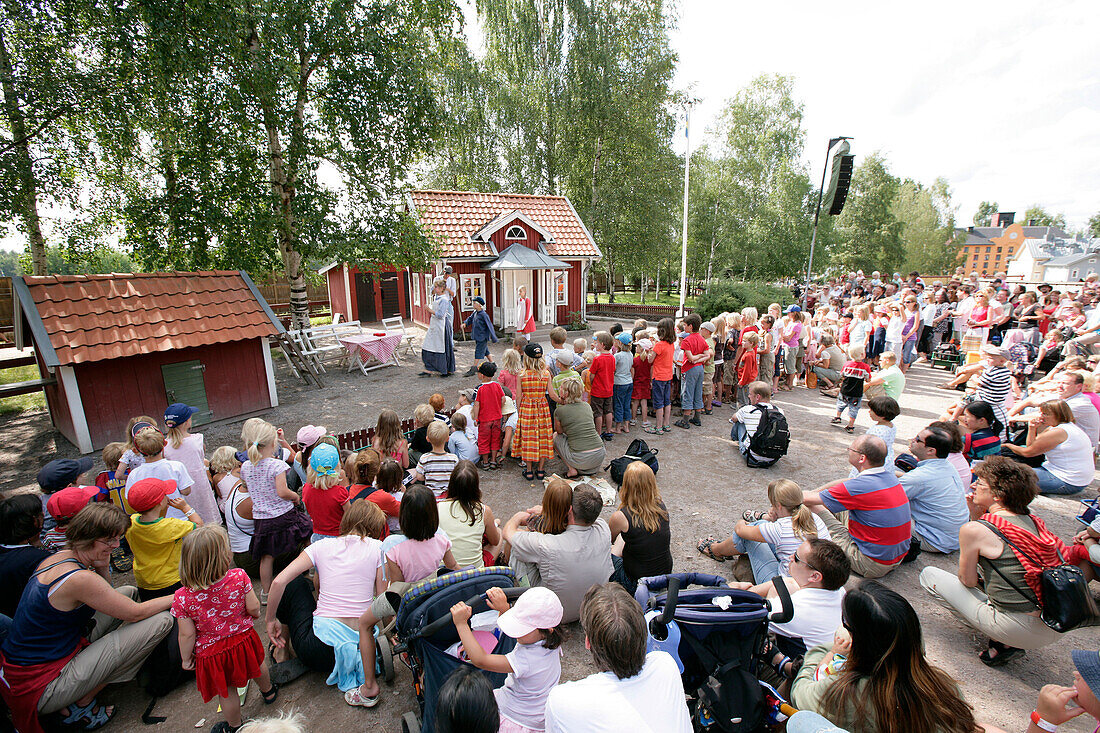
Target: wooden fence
[634,310]
[355,440]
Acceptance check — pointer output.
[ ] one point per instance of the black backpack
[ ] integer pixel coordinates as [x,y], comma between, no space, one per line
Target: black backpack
[638,450]
[772,437]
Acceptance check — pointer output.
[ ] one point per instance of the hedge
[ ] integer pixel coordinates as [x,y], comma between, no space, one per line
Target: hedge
[731,296]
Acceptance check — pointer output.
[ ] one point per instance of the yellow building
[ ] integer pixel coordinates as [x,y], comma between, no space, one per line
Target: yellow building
[987,250]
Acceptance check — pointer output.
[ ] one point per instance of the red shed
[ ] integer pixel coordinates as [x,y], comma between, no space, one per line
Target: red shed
[495,242]
[125,345]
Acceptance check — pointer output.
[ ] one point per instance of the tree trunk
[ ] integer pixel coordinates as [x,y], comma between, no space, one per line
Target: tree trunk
[24,164]
[610,281]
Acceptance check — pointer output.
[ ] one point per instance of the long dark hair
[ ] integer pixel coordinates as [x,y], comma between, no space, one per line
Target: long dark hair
[465,490]
[887,684]
[984,411]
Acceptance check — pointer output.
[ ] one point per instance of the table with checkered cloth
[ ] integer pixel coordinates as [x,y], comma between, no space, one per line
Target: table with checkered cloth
[369,351]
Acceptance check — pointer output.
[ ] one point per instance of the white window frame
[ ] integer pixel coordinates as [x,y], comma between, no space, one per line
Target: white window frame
[416,290]
[470,286]
[516,227]
[561,295]
[1073,274]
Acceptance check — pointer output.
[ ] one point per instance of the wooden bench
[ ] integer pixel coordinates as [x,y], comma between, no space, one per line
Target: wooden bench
[20,388]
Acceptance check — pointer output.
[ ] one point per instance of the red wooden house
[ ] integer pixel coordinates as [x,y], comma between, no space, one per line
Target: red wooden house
[495,242]
[112,347]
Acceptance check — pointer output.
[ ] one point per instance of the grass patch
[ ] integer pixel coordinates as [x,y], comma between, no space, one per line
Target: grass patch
[23,402]
[635,296]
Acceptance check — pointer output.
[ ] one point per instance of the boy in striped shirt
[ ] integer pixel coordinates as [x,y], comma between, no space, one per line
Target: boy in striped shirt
[435,467]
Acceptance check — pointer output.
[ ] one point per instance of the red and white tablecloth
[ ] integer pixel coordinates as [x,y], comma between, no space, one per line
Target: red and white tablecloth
[370,351]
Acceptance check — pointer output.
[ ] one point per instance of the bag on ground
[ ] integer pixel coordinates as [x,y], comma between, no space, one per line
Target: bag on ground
[638,450]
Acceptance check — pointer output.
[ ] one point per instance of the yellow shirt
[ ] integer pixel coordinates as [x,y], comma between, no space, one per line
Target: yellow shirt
[156,546]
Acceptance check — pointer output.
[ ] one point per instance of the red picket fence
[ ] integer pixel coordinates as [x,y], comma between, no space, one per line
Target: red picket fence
[355,440]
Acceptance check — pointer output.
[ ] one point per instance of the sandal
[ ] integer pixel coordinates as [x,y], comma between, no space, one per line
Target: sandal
[1004,654]
[271,695]
[528,475]
[836,421]
[493,465]
[540,475]
[91,716]
[849,429]
[653,431]
[357,699]
[704,549]
[752,515]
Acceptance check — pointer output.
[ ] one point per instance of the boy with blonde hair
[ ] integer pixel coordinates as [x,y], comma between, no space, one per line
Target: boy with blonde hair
[434,467]
[856,373]
[150,444]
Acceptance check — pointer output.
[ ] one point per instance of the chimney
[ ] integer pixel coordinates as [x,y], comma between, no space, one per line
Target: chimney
[970,230]
[1004,218]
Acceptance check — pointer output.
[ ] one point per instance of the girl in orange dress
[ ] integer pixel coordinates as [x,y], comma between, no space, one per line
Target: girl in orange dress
[536,432]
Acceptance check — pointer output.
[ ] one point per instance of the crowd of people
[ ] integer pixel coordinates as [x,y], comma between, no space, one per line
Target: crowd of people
[333,537]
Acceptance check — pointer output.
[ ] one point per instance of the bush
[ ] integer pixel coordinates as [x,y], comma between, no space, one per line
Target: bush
[731,296]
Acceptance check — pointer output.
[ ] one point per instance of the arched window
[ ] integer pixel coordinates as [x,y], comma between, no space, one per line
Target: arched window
[515,232]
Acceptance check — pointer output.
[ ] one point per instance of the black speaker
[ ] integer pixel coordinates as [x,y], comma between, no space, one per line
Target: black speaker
[842,182]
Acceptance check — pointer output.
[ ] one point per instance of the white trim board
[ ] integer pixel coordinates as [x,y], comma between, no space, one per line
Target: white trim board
[76,408]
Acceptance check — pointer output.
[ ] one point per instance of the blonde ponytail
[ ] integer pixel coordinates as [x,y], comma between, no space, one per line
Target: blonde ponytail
[787,494]
[262,435]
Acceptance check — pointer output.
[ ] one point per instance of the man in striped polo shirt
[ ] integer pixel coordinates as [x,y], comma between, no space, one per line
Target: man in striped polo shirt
[879,526]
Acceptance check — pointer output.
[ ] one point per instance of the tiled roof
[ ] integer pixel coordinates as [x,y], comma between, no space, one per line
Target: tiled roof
[453,216]
[97,317]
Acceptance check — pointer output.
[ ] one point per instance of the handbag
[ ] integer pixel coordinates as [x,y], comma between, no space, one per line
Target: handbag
[1067,602]
[638,450]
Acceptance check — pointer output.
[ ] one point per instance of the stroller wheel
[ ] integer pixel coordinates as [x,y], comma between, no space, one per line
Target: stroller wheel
[385,658]
[410,723]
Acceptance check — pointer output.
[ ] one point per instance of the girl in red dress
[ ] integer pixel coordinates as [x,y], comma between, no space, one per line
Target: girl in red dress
[525,315]
[216,608]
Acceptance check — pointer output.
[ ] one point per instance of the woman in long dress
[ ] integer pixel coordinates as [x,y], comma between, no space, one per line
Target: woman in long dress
[525,312]
[437,351]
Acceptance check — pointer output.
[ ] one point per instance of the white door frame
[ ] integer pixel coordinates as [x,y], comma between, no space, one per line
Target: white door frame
[510,294]
[547,307]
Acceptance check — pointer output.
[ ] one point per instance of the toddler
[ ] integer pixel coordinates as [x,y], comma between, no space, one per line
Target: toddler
[748,367]
[855,374]
[488,413]
[439,404]
[216,608]
[642,387]
[131,456]
[883,410]
[460,443]
[623,383]
[323,494]
[150,443]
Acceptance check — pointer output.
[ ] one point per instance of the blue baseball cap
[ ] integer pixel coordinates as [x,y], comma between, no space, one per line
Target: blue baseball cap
[177,414]
[1088,664]
[793,309]
[60,473]
[325,460]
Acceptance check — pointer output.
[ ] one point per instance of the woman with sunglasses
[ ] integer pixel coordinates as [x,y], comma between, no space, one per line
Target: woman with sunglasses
[49,663]
[886,685]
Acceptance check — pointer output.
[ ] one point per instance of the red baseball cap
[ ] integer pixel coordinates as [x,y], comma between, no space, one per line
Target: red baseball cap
[66,503]
[147,493]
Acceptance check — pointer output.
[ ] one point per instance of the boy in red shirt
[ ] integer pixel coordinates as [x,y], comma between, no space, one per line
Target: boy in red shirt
[487,412]
[747,368]
[603,384]
[695,352]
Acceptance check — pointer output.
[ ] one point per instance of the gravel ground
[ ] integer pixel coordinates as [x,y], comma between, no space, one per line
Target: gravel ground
[704,483]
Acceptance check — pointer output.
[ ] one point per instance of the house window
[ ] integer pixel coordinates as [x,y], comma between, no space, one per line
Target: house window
[561,288]
[998,249]
[515,232]
[987,258]
[1073,274]
[416,289]
[471,286]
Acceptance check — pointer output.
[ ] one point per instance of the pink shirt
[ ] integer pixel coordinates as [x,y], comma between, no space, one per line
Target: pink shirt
[419,558]
[191,454]
[346,567]
[218,612]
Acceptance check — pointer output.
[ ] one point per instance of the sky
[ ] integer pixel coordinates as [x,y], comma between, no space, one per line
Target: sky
[1001,99]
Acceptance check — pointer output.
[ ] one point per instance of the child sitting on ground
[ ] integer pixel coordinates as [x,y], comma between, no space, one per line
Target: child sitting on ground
[108,481]
[883,410]
[63,506]
[533,666]
[323,493]
[435,466]
[388,440]
[418,443]
[439,404]
[510,421]
[488,412]
[150,443]
[466,399]
[155,538]
[460,443]
[855,375]
[216,610]
[58,474]
[390,481]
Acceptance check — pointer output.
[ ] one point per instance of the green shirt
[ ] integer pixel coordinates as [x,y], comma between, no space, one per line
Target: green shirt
[893,381]
[578,426]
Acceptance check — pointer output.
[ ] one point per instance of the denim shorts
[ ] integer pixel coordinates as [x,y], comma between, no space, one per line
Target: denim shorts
[661,393]
[691,394]
[850,403]
[481,349]
[621,401]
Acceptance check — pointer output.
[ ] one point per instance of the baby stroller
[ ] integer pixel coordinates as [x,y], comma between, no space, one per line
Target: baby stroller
[1021,358]
[717,644]
[424,630]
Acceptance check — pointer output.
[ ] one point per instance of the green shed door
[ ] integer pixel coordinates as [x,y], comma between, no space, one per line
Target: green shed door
[183,383]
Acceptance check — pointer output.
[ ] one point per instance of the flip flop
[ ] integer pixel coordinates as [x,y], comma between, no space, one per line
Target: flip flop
[704,549]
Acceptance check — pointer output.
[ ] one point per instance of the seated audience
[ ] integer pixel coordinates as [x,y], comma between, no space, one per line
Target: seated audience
[467,521]
[746,421]
[642,523]
[20,551]
[936,498]
[576,441]
[1068,459]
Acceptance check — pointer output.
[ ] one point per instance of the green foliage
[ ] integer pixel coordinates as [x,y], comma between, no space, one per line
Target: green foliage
[24,402]
[868,235]
[983,217]
[729,296]
[1094,225]
[928,226]
[1041,218]
[61,261]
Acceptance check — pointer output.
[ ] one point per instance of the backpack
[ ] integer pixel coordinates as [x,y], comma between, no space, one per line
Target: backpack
[638,450]
[772,437]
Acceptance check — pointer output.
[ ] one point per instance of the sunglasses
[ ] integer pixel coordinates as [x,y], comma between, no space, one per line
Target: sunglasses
[800,561]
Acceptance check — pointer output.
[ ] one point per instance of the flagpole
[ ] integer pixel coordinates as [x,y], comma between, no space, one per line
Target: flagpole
[684,246]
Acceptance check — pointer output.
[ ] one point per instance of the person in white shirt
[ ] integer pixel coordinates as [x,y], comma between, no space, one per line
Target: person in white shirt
[746,420]
[150,443]
[634,692]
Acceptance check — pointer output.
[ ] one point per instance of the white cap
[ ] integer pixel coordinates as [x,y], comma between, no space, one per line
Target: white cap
[537,608]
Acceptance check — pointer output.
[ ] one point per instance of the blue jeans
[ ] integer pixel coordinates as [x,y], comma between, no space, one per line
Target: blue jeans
[909,352]
[621,401]
[691,392]
[806,722]
[1051,484]
[740,434]
[852,405]
[765,565]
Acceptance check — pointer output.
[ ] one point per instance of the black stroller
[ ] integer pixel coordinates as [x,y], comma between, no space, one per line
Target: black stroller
[424,630]
[717,645]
